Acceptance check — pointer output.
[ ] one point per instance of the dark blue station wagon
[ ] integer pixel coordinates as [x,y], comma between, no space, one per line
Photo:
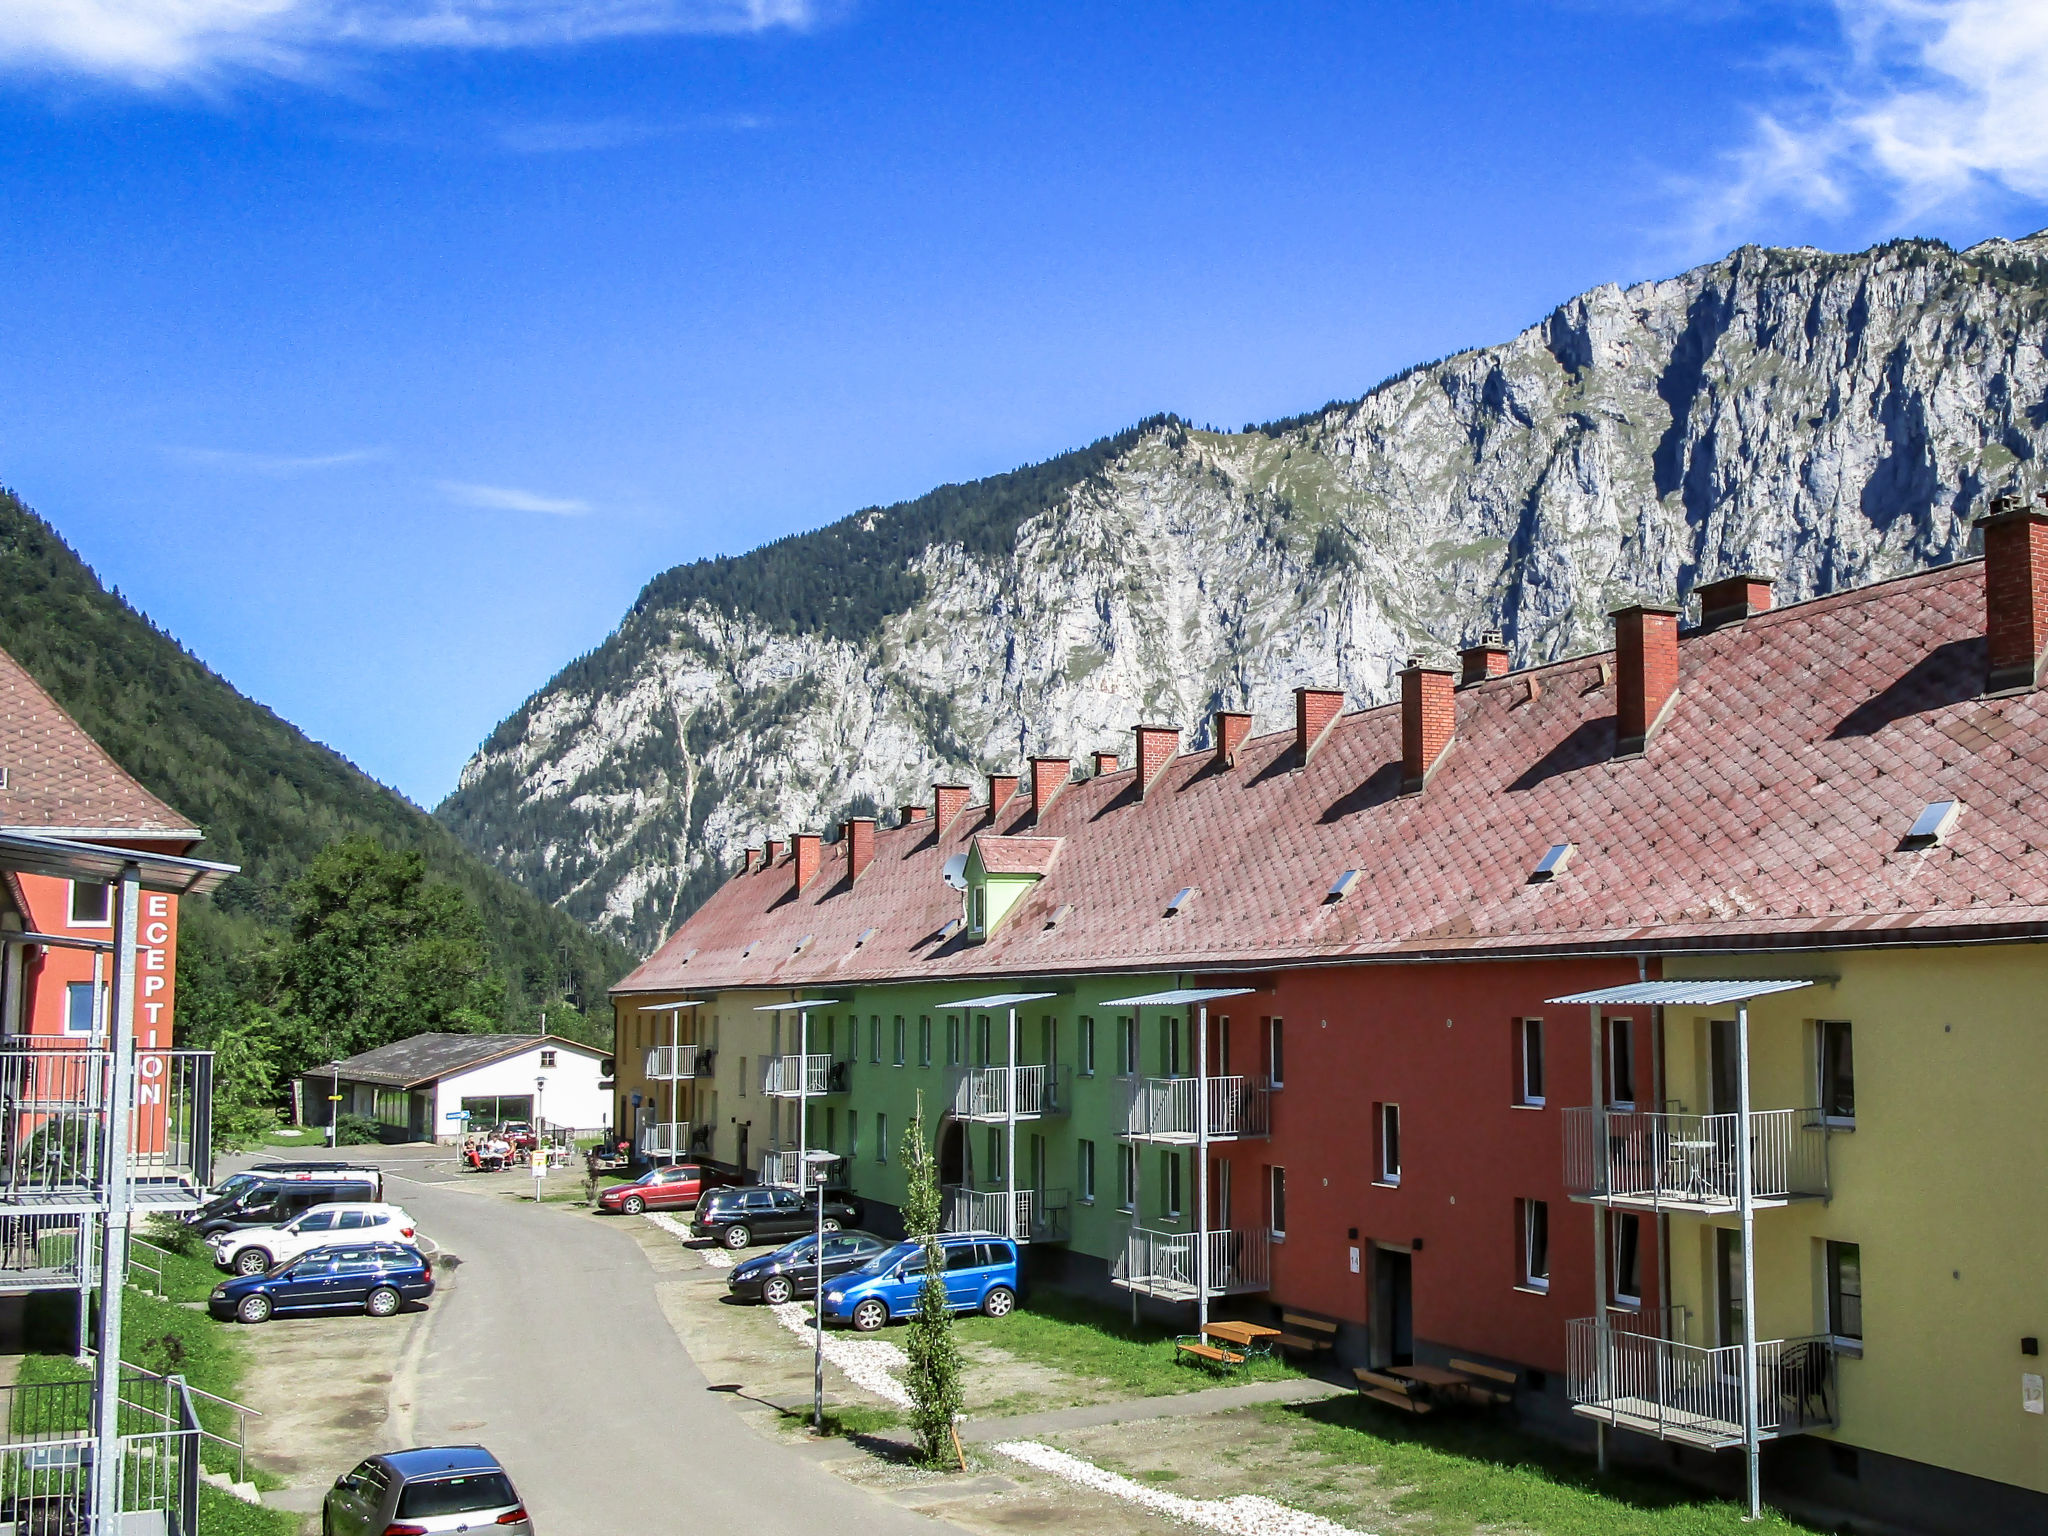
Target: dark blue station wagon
[377,1278]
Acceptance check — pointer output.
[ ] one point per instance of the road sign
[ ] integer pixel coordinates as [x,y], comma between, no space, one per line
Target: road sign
[456,1114]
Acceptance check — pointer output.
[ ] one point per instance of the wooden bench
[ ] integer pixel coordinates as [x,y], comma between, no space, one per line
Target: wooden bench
[1478,1392]
[1194,1345]
[1391,1390]
[1308,1334]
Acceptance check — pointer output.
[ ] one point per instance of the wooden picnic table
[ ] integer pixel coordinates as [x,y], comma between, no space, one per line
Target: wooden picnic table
[1435,1377]
[1244,1335]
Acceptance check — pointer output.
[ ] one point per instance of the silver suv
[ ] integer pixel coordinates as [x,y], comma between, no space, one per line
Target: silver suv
[429,1490]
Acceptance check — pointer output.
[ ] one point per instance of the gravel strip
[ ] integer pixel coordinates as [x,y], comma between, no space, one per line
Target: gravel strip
[871,1364]
[714,1258]
[1249,1514]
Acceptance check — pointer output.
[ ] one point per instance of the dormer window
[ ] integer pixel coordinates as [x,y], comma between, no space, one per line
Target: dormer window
[997,874]
[977,909]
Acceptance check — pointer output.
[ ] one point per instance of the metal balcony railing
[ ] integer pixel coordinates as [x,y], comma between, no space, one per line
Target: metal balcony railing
[985,1093]
[1633,1379]
[788,1168]
[676,1063]
[667,1138]
[1028,1215]
[54,1103]
[1162,1264]
[1164,1108]
[1654,1161]
[790,1077]
[40,1251]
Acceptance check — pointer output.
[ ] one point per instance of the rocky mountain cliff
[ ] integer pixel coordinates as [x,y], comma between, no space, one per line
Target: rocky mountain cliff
[1825,419]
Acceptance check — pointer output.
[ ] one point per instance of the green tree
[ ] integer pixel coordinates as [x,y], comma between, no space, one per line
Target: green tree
[377,952]
[933,1375]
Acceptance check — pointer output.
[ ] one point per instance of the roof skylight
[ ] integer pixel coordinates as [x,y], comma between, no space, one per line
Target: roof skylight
[1066,909]
[953,926]
[1553,862]
[803,943]
[756,944]
[1341,886]
[1934,824]
[862,938]
[1181,898]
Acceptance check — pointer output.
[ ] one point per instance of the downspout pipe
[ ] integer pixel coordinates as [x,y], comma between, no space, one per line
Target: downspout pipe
[1602,1341]
[1750,1447]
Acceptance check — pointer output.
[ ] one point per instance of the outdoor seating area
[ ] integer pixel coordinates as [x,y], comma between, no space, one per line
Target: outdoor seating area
[1305,1334]
[1228,1344]
[1420,1389]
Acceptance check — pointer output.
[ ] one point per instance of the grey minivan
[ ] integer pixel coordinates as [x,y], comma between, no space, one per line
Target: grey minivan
[425,1492]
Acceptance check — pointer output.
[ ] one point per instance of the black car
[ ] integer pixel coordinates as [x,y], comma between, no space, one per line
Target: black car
[737,1217]
[272,1199]
[377,1278]
[792,1270]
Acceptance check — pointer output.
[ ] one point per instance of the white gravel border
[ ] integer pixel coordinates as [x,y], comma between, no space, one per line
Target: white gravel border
[1249,1514]
[716,1258]
[872,1364]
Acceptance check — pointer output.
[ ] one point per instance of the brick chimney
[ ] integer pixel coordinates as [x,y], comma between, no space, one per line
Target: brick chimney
[860,845]
[808,847]
[774,856]
[1001,786]
[1732,599]
[1315,711]
[1489,658]
[1230,729]
[907,814]
[1646,672]
[1428,716]
[1157,745]
[948,801]
[2015,595]
[1049,775]
[1105,762]
[753,861]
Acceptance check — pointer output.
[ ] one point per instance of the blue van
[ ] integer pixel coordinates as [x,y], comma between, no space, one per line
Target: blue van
[981,1276]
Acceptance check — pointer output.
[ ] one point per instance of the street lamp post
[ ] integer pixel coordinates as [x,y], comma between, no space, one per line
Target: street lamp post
[334,1109]
[817,1161]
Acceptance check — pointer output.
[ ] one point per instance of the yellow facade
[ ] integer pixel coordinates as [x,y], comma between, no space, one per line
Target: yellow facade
[1942,1182]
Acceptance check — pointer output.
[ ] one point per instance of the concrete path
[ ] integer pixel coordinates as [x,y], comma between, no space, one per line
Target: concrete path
[553,1351]
[1025,1426]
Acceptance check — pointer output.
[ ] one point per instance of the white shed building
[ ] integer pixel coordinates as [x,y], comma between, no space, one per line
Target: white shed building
[416,1089]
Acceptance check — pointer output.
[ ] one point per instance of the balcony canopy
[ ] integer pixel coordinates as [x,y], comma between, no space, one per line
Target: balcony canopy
[1178,997]
[688,1002]
[1704,993]
[94,862]
[809,1002]
[1000,1000]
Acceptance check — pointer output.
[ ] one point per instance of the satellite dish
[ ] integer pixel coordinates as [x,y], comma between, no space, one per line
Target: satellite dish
[955,872]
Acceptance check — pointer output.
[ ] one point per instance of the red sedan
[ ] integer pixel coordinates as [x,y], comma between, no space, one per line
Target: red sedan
[662,1189]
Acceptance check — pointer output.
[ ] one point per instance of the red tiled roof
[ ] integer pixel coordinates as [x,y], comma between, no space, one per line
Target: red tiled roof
[1016,855]
[1770,806]
[58,778]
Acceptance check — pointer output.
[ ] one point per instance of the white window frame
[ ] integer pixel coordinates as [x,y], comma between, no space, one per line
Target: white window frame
[1820,1071]
[92,1009]
[1084,1160]
[881,1136]
[1531,1281]
[1621,1043]
[1126,1046]
[1127,1176]
[1626,1221]
[1170,1175]
[1851,1344]
[900,1040]
[547,1058]
[1276,1054]
[71,920]
[1529,1032]
[924,1040]
[1389,1154]
[1087,1021]
[1276,1203]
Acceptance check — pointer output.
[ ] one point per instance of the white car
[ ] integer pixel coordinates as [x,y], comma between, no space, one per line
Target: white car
[254,1250]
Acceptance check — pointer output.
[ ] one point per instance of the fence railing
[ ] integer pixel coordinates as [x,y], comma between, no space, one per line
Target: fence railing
[1164,1108]
[1631,1377]
[791,1076]
[1163,1263]
[674,1063]
[39,1250]
[985,1093]
[54,1103]
[1028,1215]
[668,1138]
[788,1168]
[1691,1161]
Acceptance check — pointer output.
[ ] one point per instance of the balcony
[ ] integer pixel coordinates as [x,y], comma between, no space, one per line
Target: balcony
[668,1138]
[1163,1109]
[40,1251]
[798,1077]
[1028,1215]
[787,1168]
[1162,1264]
[54,1112]
[1692,1395]
[1670,1162]
[986,1093]
[676,1063]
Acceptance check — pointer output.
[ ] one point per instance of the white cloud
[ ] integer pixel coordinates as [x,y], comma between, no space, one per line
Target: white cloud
[278,464]
[510,498]
[1928,104]
[160,41]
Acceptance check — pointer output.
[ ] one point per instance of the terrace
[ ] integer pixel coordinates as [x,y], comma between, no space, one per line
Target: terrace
[1164,1264]
[1642,1161]
[1627,1376]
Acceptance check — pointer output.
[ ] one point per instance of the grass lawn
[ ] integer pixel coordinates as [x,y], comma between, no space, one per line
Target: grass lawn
[288,1136]
[1096,1342]
[1466,1474]
[222,1514]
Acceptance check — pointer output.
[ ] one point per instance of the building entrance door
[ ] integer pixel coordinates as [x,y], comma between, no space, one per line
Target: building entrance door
[1393,1325]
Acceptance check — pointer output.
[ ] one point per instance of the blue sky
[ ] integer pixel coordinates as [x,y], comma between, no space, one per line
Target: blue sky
[382,349]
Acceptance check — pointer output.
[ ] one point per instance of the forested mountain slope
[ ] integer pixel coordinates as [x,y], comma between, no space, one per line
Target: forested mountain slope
[1826,419]
[268,798]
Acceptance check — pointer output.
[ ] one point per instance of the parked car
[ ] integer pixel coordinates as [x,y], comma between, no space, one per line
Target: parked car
[792,1270]
[423,1492]
[737,1217]
[981,1276]
[520,1134]
[252,1250]
[378,1278]
[256,1173]
[663,1189]
[273,1199]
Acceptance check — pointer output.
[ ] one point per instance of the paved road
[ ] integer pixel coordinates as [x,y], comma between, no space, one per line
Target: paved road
[553,1351]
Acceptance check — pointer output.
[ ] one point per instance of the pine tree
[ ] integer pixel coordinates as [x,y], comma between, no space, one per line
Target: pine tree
[933,1376]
